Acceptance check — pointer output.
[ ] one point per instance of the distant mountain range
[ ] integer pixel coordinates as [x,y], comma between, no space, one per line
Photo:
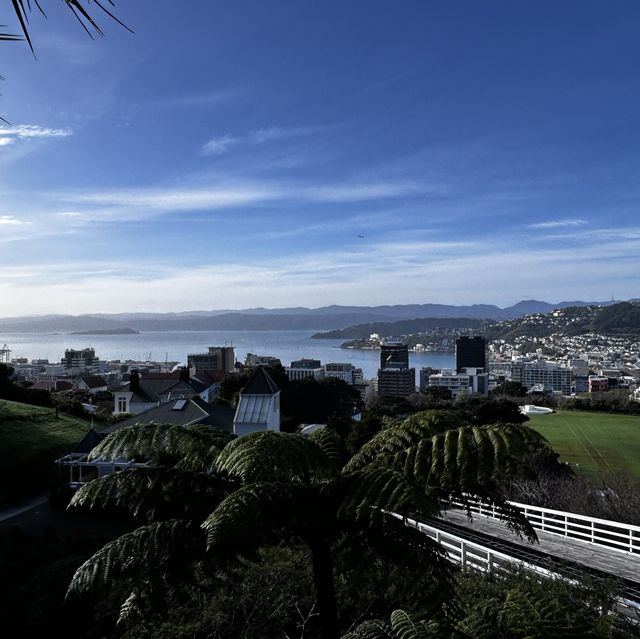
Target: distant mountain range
[296,318]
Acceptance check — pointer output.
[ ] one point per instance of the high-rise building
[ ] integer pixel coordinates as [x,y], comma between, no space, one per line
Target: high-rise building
[470,353]
[394,355]
[396,382]
[79,359]
[218,358]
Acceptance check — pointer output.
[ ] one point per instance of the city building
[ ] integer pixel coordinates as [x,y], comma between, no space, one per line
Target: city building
[302,368]
[395,378]
[217,358]
[83,359]
[540,374]
[344,371]
[251,360]
[396,382]
[394,354]
[598,383]
[470,353]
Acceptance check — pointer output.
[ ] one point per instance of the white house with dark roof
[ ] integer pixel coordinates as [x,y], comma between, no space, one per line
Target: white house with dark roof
[259,405]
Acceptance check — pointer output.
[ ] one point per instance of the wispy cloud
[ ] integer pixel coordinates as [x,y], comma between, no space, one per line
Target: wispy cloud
[220,145]
[196,100]
[558,224]
[9,220]
[143,203]
[11,134]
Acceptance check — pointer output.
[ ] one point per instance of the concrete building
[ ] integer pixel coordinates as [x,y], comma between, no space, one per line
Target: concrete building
[305,368]
[598,383]
[252,360]
[344,371]
[217,358]
[395,378]
[542,374]
[396,382]
[81,360]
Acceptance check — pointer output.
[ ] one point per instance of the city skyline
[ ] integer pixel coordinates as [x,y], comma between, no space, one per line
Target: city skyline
[300,155]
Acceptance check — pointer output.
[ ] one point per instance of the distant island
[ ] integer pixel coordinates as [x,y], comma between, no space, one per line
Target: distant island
[108,331]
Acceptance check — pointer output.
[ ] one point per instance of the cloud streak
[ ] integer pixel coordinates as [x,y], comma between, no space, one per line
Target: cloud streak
[12,134]
[219,145]
[558,224]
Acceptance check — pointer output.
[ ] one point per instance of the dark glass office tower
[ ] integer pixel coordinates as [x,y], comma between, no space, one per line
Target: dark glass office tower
[470,353]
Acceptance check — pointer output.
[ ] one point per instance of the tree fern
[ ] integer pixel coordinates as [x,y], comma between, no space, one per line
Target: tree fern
[149,548]
[156,493]
[195,448]
[331,444]
[273,456]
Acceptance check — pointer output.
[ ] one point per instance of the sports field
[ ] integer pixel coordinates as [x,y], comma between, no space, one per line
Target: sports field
[594,443]
[30,439]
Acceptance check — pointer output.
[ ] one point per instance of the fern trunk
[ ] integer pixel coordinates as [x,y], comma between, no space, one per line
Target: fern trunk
[325,594]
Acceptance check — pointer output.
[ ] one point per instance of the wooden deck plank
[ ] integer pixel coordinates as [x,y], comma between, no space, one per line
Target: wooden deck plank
[614,562]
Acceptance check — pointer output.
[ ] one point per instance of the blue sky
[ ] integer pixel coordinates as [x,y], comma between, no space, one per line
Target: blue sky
[231,154]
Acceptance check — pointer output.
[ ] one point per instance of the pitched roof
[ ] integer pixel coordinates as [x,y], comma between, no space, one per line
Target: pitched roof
[89,442]
[94,381]
[181,412]
[211,376]
[260,384]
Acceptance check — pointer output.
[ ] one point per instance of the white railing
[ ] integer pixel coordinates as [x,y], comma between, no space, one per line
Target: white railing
[601,532]
[470,554]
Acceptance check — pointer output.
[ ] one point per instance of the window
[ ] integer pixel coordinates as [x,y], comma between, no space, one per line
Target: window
[122,404]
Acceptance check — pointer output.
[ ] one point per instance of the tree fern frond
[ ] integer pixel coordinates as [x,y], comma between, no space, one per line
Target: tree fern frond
[369,496]
[262,513]
[156,493]
[135,443]
[145,549]
[391,441]
[404,627]
[133,609]
[165,444]
[331,444]
[273,457]
[371,629]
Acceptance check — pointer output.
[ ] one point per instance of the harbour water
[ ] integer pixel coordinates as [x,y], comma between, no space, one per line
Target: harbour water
[175,345]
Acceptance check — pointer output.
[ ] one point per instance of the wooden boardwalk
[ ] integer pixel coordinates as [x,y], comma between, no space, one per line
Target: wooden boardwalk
[614,562]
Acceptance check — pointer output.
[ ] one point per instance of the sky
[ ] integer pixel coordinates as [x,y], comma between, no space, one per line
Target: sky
[298,153]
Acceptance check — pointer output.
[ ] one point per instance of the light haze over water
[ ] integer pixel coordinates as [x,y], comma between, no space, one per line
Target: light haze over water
[175,345]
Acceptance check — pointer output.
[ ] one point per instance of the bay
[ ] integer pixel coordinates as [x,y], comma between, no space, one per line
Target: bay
[175,345]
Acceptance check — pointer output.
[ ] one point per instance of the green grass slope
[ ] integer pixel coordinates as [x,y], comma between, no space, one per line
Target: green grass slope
[30,439]
[594,443]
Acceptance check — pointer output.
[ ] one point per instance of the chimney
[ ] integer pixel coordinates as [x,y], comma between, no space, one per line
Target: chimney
[185,374]
[134,379]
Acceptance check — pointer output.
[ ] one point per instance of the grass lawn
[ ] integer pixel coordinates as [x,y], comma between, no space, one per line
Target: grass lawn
[593,443]
[30,439]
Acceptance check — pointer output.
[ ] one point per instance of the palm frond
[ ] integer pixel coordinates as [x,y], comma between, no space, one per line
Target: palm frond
[156,493]
[146,549]
[273,456]
[263,513]
[77,7]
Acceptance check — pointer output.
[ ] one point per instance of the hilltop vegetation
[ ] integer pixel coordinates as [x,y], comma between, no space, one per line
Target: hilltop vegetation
[30,439]
[622,319]
[403,327]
